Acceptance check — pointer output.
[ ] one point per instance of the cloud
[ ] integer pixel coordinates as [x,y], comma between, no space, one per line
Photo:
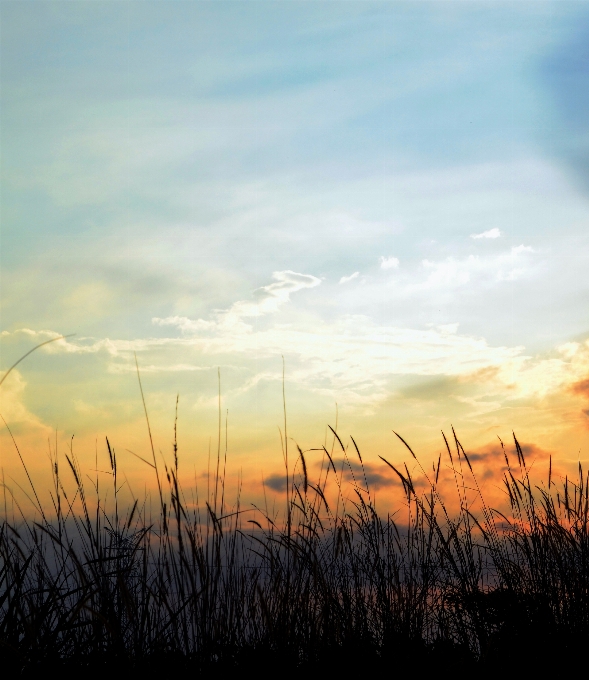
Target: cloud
[557,372]
[267,300]
[450,272]
[271,297]
[518,250]
[164,368]
[350,356]
[376,476]
[493,452]
[456,272]
[12,405]
[351,277]
[276,482]
[490,233]
[581,387]
[389,262]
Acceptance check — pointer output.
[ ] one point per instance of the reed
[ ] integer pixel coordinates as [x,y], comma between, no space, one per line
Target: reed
[325,587]
[330,585]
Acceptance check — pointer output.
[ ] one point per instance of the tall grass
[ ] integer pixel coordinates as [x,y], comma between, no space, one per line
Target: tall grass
[328,584]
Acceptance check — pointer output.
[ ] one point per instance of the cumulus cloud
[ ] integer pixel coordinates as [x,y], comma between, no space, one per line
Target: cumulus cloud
[389,262]
[490,233]
[351,277]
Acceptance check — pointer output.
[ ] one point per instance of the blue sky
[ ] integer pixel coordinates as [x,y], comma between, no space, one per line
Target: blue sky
[382,192]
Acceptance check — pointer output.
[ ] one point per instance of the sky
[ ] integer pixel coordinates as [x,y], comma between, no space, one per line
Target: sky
[387,203]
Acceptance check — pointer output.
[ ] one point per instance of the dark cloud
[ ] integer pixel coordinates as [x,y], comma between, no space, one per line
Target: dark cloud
[431,389]
[377,480]
[492,454]
[375,475]
[474,457]
[581,387]
[533,451]
[276,482]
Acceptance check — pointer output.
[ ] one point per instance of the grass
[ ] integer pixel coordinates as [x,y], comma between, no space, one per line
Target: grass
[329,586]
[198,586]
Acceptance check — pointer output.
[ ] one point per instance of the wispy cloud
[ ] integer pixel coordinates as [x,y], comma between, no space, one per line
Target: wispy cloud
[389,262]
[454,272]
[351,356]
[490,233]
[351,277]
[267,300]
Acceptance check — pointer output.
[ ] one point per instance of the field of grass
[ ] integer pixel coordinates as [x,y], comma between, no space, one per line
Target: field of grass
[199,586]
[196,583]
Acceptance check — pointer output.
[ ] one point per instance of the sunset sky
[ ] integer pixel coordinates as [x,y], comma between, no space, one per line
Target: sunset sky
[393,196]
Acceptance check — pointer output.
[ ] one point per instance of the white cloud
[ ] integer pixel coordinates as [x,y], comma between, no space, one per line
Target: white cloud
[351,356]
[448,328]
[491,233]
[351,277]
[130,367]
[12,405]
[271,297]
[389,262]
[449,272]
[542,375]
[454,272]
[518,250]
[268,300]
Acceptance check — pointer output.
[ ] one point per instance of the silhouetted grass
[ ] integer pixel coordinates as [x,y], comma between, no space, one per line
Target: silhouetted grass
[327,587]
